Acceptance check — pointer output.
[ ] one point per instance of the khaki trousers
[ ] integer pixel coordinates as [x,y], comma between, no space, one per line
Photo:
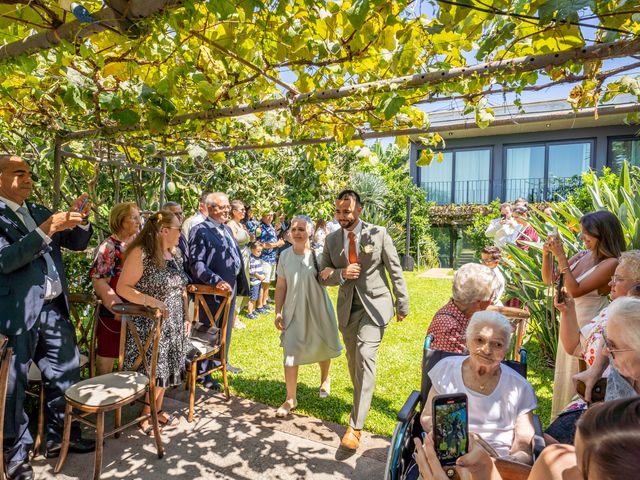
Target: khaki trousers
[361,337]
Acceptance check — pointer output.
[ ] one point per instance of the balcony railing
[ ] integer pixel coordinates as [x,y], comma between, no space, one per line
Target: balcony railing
[482,191]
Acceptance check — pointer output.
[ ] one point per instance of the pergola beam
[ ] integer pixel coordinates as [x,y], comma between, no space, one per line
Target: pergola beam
[516,65]
[118,16]
[114,163]
[462,125]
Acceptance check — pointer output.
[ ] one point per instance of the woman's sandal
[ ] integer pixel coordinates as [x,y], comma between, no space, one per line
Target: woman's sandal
[148,430]
[170,421]
[325,391]
[285,409]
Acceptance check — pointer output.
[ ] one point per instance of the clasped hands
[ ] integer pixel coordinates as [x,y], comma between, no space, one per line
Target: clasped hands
[60,221]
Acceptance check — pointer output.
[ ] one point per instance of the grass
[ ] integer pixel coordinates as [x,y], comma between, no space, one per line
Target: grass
[257,350]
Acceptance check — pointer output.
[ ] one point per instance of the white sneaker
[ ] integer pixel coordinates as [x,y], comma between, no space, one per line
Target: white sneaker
[239,325]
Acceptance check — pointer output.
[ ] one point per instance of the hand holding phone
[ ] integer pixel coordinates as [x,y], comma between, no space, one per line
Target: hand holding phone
[450,427]
[560,286]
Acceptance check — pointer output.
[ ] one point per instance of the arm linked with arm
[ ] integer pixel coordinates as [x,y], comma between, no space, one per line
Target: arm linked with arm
[325,261]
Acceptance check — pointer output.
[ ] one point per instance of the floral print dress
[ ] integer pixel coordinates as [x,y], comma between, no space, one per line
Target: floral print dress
[165,284]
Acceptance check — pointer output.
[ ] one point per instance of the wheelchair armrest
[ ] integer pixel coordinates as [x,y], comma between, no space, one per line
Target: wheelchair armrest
[409,406]
[537,442]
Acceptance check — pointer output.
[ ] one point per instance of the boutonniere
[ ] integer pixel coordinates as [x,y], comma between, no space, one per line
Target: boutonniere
[368,248]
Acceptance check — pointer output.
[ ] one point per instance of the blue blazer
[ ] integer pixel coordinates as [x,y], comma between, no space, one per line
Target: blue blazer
[210,260]
[23,268]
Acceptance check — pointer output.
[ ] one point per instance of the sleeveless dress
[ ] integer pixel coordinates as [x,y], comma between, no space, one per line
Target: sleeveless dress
[310,330]
[587,307]
[165,284]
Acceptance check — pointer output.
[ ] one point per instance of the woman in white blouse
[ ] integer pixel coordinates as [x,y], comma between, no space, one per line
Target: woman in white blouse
[500,401]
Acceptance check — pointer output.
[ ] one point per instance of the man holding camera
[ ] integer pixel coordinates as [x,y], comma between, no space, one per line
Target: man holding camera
[33,299]
[501,229]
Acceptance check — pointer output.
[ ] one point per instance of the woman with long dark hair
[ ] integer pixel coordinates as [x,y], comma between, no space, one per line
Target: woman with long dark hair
[586,278]
[153,275]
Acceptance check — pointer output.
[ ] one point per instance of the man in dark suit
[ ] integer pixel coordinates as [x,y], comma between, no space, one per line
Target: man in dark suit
[215,259]
[35,310]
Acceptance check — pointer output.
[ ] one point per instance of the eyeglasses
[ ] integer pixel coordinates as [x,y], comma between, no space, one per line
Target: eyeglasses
[611,350]
[617,279]
[490,261]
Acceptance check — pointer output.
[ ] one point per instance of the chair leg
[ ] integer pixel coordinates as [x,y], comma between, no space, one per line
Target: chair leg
[156,427]
[192,390]
[225,380]
[117,422]
[66,437]
[97,466]
[37,444]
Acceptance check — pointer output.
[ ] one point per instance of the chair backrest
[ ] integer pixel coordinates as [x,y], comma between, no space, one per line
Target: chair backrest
[200,292]
[154,315]
[430,357]
[78,304]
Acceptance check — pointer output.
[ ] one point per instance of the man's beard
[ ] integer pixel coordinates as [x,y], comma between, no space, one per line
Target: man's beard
[347,224]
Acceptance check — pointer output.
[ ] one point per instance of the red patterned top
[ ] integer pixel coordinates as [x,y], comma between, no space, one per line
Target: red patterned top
[108,264]
[448,328]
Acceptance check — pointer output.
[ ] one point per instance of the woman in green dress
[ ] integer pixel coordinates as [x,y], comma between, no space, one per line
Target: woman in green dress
[304,314]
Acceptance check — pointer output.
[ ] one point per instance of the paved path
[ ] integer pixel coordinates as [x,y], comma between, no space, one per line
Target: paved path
[437,273]
[240,439]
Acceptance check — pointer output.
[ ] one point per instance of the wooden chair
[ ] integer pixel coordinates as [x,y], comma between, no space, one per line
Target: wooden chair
[519,319]
[5,363]
[112,391]
[206,348]
[86,345]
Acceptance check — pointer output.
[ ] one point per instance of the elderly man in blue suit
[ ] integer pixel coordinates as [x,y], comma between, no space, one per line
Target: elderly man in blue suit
[215,259]
[35,310]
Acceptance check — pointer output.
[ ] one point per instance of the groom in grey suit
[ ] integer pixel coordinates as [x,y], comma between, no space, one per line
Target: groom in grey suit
[357,256]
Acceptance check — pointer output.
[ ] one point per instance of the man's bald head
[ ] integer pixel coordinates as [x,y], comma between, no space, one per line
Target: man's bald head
[15,179]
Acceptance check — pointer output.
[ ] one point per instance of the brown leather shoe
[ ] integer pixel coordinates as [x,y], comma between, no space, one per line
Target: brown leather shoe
[351,439]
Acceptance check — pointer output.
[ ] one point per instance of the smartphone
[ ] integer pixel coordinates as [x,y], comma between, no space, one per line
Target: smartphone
[450,427]
[82,205]
[560,286]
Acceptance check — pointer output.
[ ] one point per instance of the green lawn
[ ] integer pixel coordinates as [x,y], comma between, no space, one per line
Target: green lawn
[257,350]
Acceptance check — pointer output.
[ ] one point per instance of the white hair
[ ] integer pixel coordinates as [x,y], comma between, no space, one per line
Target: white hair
[626,310]
[487,318]
[308,223]
[474,283]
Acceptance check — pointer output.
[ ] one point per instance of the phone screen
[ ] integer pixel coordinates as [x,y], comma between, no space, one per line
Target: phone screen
[450,427]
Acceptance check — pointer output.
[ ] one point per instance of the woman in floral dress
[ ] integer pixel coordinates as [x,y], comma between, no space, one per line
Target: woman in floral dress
[124,223]
[153,275]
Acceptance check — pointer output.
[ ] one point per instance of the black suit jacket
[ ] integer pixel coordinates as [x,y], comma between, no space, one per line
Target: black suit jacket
[23,267]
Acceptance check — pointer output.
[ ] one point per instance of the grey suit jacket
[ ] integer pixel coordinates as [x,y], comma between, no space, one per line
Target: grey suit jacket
[376,254]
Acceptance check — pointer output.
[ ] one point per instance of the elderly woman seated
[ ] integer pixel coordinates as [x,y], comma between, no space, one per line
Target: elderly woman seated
[474,288]
[500,401]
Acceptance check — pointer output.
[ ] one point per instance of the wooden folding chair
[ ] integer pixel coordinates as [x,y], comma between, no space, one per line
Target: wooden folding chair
[519,319]
[113,391]
[206,348]
[5,362]
[85,333]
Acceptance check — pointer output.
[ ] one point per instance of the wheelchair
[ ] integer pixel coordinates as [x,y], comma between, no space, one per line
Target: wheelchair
[401,449]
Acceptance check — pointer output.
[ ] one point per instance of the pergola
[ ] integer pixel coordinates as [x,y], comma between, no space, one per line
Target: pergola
[360,82]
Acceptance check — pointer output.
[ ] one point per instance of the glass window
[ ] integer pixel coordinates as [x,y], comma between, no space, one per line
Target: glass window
[624,149]
[436,178]
[525,172]
[473,169]
[567,160]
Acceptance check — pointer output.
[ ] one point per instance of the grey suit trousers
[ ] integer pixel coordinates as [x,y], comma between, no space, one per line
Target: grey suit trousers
[361,337]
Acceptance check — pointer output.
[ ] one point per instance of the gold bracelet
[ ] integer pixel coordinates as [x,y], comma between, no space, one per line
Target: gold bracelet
[562,270]
[145,299]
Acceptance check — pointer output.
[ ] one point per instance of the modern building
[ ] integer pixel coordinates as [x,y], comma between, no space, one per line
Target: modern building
[537,152]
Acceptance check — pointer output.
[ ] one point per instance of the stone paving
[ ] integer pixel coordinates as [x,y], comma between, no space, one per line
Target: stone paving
[239,439]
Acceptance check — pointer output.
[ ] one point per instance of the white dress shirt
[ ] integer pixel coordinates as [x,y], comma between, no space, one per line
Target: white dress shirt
[345,236]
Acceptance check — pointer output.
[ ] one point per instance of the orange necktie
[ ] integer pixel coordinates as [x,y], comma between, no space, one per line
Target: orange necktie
[353,254]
